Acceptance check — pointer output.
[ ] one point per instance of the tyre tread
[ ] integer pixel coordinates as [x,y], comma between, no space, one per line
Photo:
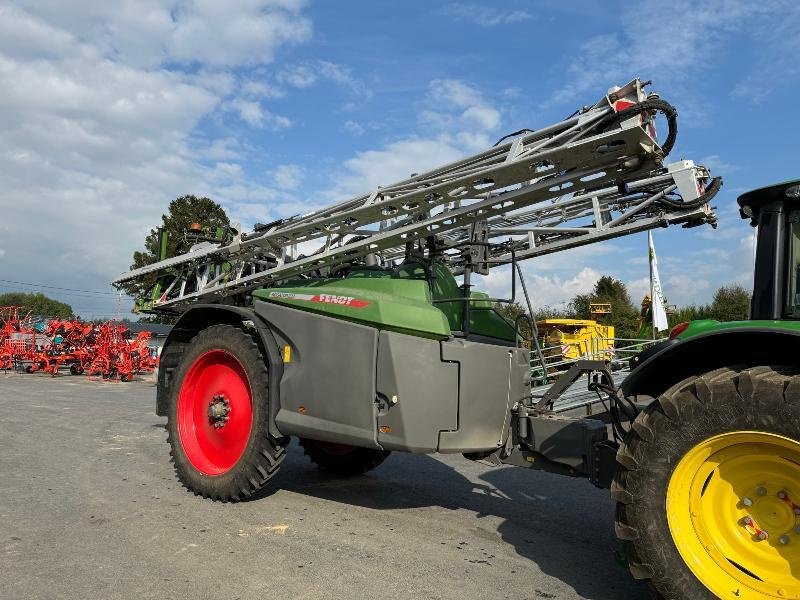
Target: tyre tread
[763,398]
[357,462]
[267,454]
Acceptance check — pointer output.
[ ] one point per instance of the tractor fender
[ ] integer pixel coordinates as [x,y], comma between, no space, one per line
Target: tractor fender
[199,317]
[672,361]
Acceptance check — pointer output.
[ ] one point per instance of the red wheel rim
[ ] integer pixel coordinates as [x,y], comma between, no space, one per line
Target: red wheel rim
[213,446]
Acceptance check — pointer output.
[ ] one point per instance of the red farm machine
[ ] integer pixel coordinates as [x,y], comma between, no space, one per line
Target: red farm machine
[104,350]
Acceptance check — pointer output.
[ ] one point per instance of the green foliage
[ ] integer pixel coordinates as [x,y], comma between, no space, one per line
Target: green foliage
[158,318]
[182,213]
[624,314]
[684,314]
[38,304]
[512,311]
[731,303]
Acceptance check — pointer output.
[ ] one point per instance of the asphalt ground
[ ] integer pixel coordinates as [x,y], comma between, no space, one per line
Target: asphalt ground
[90,508]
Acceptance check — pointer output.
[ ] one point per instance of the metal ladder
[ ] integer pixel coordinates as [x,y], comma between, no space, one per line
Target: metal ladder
[594,176]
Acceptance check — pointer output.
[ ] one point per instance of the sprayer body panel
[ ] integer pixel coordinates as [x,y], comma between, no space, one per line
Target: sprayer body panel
[351,383]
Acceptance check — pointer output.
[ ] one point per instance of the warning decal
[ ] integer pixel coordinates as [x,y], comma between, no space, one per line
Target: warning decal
[323,298]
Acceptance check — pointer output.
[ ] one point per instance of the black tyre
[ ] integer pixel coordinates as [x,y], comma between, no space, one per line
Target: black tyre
[343,459]
[218,416]
[76,369]
[707,470]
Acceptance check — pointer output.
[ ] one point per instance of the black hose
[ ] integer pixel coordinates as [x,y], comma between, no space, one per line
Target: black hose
[711,190]
[654,104]
[505,137]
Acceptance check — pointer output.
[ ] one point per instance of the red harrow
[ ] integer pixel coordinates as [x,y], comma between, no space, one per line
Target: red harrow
[103,350]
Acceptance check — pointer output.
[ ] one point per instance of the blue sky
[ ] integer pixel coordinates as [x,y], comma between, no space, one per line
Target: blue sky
[274,107]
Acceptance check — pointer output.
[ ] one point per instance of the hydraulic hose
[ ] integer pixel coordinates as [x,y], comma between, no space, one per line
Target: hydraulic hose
[711,190]
[653,104]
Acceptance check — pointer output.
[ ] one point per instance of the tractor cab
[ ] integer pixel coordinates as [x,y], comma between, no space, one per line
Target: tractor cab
[775,210]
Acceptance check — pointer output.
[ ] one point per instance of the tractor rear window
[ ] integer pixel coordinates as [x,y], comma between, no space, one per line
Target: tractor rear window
[794,274]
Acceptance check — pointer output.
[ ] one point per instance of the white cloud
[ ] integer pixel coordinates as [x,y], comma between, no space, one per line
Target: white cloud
[672,43]
[483,117]
[353,128]
[306,74]
[545,290]
[98,124]
[397,161]
[220,149]
[455,92]
[147,33]
[459,105]
[685,288]
[225,171]
[237,32]
[484,16]
[288,177]
[638,288]
[456,120]
[254,114]
[299,76]
[718,165]
[261,89]
[249,111]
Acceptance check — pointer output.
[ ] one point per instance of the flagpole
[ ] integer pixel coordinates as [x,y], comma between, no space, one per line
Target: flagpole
[652,291]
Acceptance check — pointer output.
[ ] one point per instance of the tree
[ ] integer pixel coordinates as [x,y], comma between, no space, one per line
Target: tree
[37,304]
[512,311]
[182,213]
[608,290]
[730,303]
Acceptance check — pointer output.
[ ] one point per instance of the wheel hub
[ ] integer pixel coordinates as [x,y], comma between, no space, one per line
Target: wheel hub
[219,410]
[771,515]
[732,512]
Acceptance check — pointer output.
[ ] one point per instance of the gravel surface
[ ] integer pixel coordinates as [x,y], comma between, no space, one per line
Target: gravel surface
[89,508]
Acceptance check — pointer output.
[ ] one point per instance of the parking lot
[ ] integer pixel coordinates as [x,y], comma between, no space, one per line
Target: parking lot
[89,508]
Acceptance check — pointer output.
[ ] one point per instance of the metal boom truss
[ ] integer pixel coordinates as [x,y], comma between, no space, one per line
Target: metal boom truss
[595,176]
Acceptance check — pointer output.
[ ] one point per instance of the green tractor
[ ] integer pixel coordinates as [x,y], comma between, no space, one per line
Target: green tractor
[709,475]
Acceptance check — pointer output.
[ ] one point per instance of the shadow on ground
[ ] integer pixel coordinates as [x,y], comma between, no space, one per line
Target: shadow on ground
[544,516]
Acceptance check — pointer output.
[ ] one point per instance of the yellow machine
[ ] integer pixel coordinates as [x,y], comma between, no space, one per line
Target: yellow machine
[575,338]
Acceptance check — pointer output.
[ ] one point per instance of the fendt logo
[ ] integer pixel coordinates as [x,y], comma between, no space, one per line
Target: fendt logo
[330,299]
[323,298]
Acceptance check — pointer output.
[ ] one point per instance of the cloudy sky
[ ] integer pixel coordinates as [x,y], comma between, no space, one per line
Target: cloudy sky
[111,109]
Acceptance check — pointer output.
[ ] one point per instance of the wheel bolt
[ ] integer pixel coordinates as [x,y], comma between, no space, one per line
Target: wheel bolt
[797,510]
[784,539]
[782,495]
[797,530]
[748,520]
[763,535]
[747,502]
[761,491]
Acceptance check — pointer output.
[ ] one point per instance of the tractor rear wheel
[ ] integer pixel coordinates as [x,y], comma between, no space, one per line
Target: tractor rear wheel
[342,459]
[708,487]
[218,416]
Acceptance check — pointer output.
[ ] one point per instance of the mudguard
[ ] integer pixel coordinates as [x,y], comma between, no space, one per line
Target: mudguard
[204,315]
[673,361]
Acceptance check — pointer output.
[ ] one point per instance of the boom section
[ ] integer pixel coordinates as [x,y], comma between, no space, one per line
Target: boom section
[594,176]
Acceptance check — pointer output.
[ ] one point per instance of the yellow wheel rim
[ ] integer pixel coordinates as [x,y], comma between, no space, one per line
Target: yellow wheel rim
[733,509]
